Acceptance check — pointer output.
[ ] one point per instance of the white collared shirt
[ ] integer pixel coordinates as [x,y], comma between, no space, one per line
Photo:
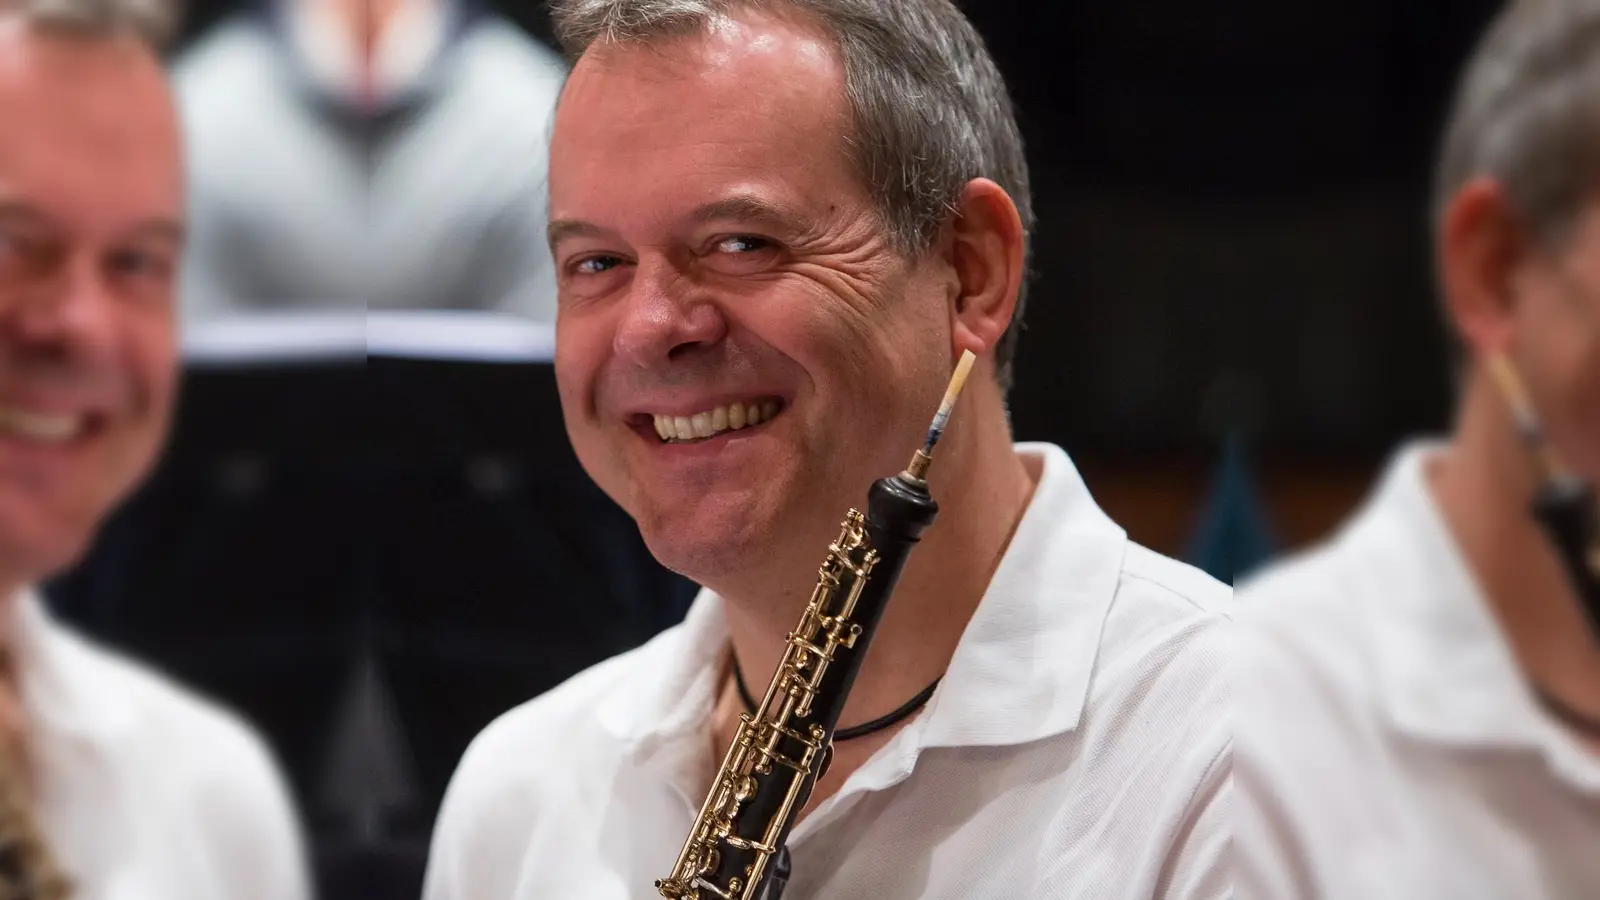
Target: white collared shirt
[1388,747]
[1078,747]
[146,792]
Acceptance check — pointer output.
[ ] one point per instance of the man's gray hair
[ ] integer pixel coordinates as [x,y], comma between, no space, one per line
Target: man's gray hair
[154,22]
[1527,114]
[930,110]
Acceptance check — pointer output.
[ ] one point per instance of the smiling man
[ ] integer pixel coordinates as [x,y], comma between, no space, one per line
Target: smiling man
[776,226]
[125,786]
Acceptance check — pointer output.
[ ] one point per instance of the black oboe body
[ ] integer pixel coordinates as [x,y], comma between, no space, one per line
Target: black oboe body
[1567,510]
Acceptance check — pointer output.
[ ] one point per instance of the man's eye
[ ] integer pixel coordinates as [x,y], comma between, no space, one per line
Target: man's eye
[595,265]
[136,264]
[743,244]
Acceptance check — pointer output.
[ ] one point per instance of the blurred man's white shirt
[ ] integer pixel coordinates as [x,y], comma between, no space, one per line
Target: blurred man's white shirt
[1388,747]
[1078,746]
[298,204]
[147,792]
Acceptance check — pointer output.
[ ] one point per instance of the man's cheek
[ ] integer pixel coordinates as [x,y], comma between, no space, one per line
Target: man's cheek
[572,395]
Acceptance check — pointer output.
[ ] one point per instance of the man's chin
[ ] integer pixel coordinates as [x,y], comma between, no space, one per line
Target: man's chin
[704,555]
[27,557]
[694,532]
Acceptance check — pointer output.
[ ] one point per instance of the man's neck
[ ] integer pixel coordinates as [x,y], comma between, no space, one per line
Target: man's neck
[1485,486]
[10,595]
[982,488]
[14,729]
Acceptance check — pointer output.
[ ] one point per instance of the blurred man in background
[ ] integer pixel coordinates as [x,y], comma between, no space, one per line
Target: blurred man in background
[119,783]
[368,154]
[1420,698]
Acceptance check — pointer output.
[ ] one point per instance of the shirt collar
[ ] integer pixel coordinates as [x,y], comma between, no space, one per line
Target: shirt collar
[51,667]
[1445,672]
[1020,672]
[677,697]
[1022,668]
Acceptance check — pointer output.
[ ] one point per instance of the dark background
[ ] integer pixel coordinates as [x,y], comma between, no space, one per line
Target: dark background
[1233,242]
[1232,216]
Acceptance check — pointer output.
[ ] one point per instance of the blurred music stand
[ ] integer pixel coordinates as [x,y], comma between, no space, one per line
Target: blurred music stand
[370,536]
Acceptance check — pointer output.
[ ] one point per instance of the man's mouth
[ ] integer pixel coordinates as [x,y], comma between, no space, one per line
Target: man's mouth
[42,427]
[719,420]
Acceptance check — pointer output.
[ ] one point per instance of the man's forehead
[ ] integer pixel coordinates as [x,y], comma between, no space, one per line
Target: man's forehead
[103,220]
[758,58]
[729,38]
[756,37]
[14,33]
[746,90]
[29,49]
[55,71]
[102,136]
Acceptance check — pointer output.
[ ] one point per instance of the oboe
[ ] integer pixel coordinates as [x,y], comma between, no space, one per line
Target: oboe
[1570,512]
[29,869]
[736,848]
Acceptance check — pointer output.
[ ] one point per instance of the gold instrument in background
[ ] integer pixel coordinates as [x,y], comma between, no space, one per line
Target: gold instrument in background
[736,848]
[28,870]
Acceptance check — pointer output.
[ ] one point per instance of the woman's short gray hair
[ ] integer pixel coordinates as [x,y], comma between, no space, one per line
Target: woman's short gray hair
[930,109]
[1527,113]
[153,21]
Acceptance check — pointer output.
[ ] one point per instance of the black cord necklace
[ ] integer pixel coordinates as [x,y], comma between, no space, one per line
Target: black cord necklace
[1555,706]
[845,734]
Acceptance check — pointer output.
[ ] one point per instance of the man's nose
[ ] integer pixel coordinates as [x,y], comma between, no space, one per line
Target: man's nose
[666,317]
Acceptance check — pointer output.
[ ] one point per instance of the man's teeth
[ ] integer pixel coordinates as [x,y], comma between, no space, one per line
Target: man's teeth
[713,422]
[41,426]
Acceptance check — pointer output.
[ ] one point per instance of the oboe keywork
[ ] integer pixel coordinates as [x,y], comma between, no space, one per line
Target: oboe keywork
[736,847]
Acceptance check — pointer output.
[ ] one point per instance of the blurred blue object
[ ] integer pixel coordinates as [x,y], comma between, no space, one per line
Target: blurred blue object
[1235,534]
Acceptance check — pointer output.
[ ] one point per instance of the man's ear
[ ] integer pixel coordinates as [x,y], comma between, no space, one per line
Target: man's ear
[985,250]
[1481,243]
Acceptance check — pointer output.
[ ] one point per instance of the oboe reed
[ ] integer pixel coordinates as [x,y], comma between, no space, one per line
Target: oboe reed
[919,463]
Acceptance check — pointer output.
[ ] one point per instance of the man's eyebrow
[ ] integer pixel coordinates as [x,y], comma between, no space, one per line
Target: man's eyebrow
[565,229]
[157,229]
[738,208]
[17,211]
[753,209]
[160,229]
